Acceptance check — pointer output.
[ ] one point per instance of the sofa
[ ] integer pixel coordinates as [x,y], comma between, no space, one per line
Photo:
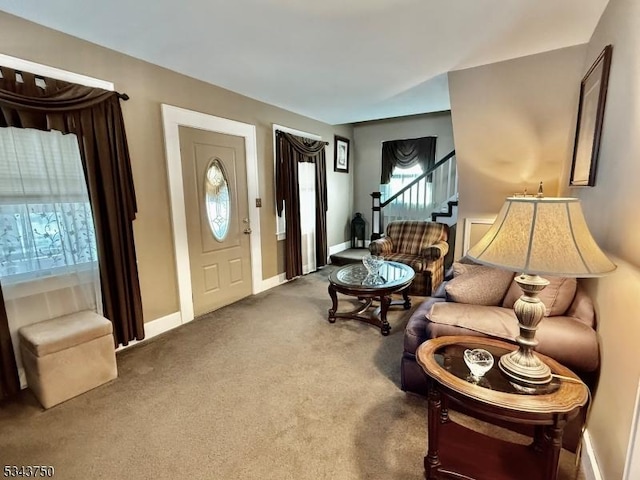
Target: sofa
[478,300]
[421,245]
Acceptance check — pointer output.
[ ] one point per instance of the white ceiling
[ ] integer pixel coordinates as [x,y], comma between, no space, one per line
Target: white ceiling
[338,61]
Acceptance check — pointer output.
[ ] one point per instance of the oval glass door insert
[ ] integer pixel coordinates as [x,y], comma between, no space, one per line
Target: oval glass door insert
[217,202]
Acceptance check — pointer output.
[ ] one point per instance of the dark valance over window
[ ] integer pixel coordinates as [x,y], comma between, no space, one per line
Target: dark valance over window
[406,154]
[95,117]
[290,150]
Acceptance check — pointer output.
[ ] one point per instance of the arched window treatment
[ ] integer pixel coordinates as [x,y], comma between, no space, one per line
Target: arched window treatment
[290,150]
[95,116]
[406,154]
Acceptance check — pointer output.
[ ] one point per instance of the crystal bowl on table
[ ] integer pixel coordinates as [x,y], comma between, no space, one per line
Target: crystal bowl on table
[373,263]
[479,361]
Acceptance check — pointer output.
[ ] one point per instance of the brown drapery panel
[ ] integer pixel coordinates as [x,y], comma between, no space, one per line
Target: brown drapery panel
[9,383]
[95,116]
[290,150]
[407,153]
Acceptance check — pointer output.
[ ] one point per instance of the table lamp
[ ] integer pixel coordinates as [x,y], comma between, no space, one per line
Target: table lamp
[538,236]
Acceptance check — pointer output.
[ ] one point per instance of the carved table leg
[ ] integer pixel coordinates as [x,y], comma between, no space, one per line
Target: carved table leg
[431,461]
[538,439]
[407,300]
[444,410]
[334,306]
[553,437]
[385,301]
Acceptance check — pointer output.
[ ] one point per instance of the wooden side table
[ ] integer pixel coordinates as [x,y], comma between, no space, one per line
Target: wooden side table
[455,451]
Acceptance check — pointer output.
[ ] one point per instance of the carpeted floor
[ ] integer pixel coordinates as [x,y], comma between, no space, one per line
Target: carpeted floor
[263,389]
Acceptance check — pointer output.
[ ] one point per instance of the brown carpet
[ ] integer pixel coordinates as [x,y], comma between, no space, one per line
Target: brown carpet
[263,389]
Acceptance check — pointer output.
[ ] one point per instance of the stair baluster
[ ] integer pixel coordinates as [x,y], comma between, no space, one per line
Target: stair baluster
[433,194]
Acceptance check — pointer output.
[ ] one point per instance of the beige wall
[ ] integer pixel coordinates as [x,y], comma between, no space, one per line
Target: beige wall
[611,208]
[149,86]
[369,137]
[513,124]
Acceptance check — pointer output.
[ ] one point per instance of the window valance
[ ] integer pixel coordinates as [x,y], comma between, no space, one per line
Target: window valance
[95,116]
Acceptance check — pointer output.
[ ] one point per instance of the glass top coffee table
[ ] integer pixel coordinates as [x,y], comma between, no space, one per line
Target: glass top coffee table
[353,280]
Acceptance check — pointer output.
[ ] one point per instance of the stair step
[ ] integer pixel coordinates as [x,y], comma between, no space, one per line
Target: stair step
[351,255]
[447,212]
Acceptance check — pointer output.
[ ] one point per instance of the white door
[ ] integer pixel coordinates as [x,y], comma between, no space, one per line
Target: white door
[217,215]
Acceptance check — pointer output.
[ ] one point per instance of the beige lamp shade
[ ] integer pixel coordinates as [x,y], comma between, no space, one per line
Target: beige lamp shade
[543,236]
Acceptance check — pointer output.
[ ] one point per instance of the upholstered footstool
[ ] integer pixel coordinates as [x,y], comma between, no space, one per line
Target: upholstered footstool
[67,356]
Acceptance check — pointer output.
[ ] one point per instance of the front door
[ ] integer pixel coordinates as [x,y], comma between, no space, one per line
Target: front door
[217,214]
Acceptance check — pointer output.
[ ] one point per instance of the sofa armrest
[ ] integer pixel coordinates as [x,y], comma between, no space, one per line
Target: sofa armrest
[440,292]
[435,251]
[448,274]
[582,308]
[381,246]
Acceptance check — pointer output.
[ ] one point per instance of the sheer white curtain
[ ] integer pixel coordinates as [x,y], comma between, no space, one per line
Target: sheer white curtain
[413,202]
[45,217]
[307,189]
[46,226]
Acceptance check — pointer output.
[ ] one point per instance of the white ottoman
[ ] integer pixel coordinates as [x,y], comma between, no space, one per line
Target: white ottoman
[67,356]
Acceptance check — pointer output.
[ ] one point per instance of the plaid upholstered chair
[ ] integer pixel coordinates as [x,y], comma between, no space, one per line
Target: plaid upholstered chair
[421,245]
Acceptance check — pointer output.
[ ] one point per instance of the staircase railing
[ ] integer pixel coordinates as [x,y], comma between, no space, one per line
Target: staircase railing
[426,194]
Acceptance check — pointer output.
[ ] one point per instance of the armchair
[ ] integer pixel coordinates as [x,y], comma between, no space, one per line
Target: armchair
[419,244]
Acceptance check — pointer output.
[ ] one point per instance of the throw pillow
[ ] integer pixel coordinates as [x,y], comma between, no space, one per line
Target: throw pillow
[557,296]
[478,284]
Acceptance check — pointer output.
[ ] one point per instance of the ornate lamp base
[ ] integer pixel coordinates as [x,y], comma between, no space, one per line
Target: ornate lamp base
[523,366]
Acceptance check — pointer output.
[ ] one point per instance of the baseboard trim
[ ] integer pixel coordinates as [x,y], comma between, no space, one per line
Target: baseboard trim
[151,329]
[173,320]
[340,247]
[156,327]
[272,282]
[589,462]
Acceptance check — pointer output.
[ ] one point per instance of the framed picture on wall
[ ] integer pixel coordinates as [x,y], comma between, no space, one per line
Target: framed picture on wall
[341,155]
[593,95]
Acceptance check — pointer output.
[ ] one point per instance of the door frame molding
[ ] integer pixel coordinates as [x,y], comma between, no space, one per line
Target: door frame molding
[172,119]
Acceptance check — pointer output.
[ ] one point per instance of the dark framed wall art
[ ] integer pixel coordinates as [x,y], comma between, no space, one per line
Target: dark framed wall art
[593,95]
[341,155]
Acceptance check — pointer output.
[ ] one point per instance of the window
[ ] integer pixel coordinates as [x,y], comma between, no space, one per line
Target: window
[217,200]
[400,178]
[281,221]
[46,225]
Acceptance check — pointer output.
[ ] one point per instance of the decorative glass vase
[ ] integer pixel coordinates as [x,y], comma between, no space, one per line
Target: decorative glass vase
[479,362]
[373,264]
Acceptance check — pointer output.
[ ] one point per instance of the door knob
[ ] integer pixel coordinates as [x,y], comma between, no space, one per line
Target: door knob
[247,229]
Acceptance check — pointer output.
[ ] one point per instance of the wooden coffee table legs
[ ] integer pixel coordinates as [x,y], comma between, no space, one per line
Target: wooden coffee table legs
[378,317]
[405,302]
